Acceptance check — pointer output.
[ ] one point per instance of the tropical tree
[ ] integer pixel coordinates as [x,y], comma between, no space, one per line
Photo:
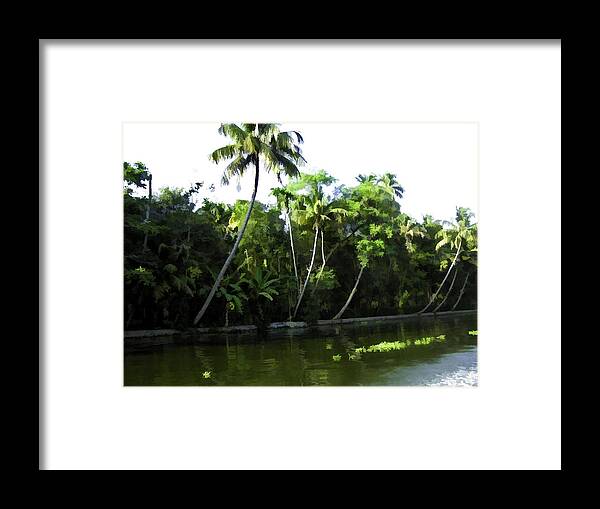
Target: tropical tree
[372,200]
[390,183]
[263,285]
[314,209]
[361,178]
[366,250]
[285,198]
[471,261]
[233,294]
[448,292]
[136,174]
[462,290]
[454,235]
[409,230]
[169,275]
[251,143]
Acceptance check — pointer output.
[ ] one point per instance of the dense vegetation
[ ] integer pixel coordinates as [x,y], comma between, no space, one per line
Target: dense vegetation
[323,251]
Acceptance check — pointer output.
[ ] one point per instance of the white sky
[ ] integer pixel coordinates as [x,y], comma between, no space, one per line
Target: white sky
[436,163]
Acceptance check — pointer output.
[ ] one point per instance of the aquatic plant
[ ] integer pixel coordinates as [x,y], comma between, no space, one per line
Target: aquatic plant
[389,346]
[206,374]
[328,346]
[386,346]
[473,332]
[337,358]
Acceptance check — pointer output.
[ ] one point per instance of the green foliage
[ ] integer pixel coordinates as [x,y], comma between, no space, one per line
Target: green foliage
[368,249]
[233,294]
[390,346]
[280,151]
[140,275]
[337,358]
[172,258]
[135,175]
[263,284]
[327,280]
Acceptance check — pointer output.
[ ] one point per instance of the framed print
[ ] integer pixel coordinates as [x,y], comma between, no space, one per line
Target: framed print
[351,246]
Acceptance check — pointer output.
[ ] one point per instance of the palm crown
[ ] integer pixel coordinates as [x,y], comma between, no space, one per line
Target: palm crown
[315,207]
[279,150]
[461,232]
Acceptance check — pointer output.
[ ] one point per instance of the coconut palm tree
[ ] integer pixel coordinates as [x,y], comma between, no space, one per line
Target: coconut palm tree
[279,151]
[448,292]
[454,235]
[366,250]
[285,199]
[362,178]
[471,258]
[409,229]
[314,209]
[391,185]
[462,291]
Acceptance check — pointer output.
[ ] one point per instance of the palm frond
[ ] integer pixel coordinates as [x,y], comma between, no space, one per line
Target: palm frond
[237,167]
[233,131]
[223,153]
[249,128]
[267,131]
[442,243]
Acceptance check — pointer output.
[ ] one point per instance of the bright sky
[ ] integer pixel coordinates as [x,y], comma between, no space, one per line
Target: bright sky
[436,163]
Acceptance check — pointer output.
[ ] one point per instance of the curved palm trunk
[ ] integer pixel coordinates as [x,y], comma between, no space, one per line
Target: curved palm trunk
[446,277]
[289,221]
[322,266]
[232,253]
[448,292]
[148,210]
[312,260]
[341,311]
[462,290]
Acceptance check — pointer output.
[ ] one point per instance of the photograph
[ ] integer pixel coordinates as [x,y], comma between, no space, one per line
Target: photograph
[300,253]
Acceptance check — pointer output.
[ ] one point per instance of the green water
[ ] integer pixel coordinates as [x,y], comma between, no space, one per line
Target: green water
[304,357]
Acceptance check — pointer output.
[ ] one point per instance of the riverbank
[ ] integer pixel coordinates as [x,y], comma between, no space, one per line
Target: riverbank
[135,336]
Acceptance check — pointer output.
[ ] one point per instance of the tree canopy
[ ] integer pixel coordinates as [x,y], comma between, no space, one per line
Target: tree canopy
[322,249]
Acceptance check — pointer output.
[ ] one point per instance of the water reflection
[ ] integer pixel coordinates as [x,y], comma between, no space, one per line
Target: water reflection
[305,357]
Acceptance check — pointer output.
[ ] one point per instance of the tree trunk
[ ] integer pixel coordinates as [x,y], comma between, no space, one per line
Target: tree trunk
[446,277]
[462,290]
[341,312]
[322,267]
[226,317]
[287,215]
[312,260]
[448,292]
[343,241]
[148,210]
[233,250]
